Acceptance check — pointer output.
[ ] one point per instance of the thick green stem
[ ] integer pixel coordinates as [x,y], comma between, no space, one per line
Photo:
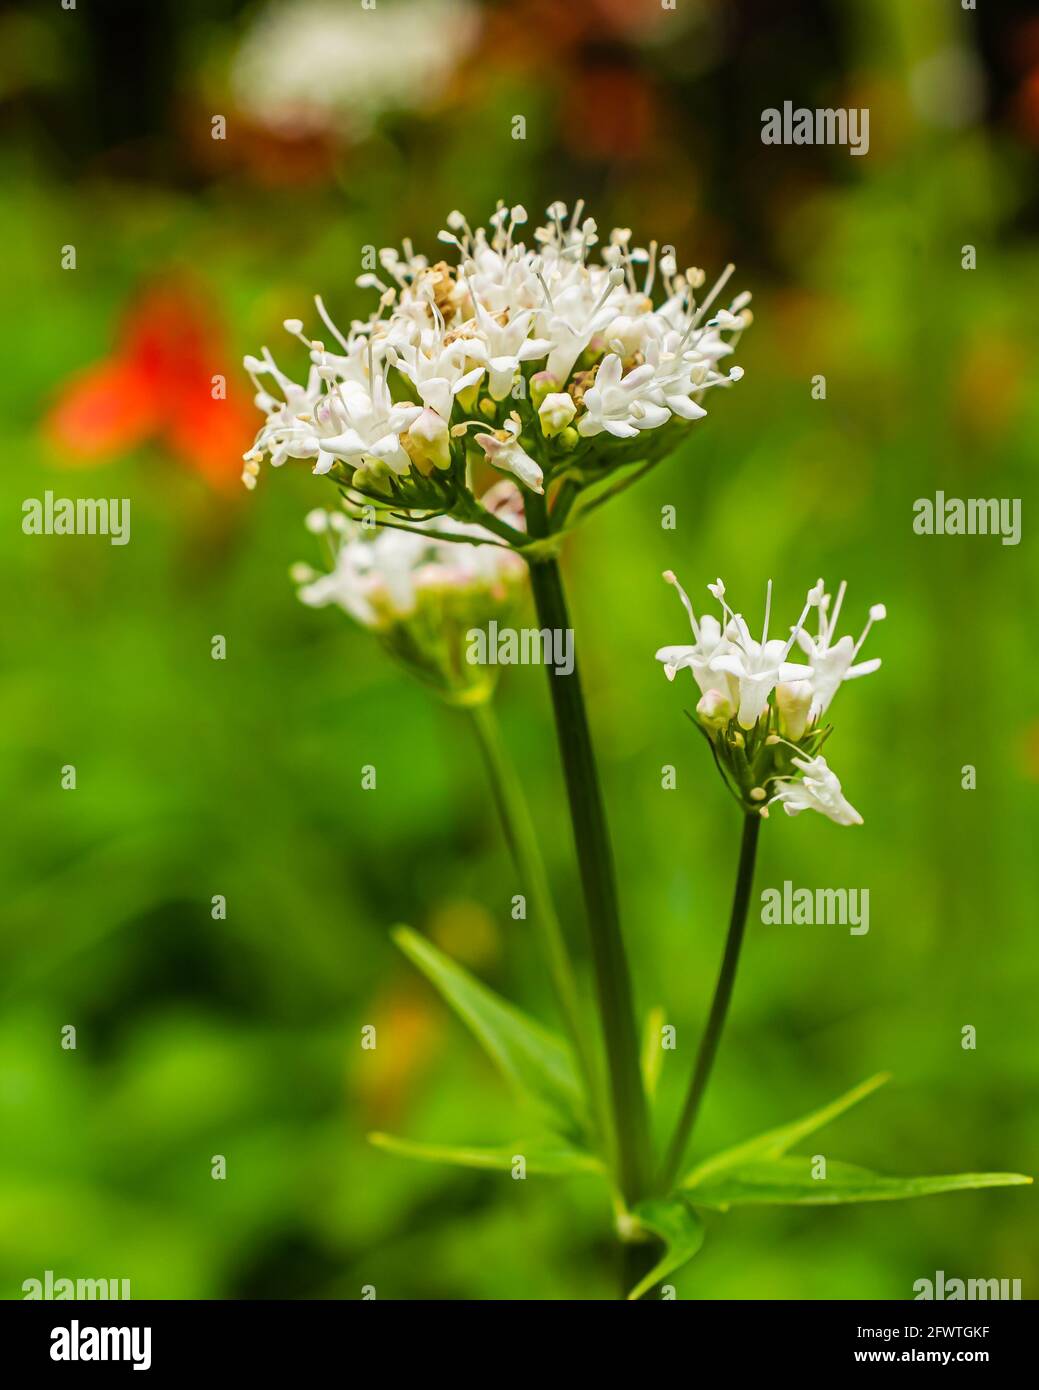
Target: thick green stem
[720,1004]
[526,854]
[595,858]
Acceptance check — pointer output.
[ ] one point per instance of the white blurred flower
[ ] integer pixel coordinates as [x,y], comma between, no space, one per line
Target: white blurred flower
[308,66]
[381,576]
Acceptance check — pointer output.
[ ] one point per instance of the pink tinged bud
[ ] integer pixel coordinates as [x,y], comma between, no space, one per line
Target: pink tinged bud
[715,709]
[555,412]
[793,700]
[542,384]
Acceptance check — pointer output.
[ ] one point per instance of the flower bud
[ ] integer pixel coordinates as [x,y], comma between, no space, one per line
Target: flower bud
[555,412]
[793,700]
[715,709]
[542,384]
[427,443]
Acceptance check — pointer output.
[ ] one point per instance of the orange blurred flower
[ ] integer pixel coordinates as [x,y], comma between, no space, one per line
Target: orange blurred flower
[166,382]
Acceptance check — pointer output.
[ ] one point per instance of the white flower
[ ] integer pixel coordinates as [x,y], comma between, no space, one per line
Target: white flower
[438,374]
[622,404]
[710,642]
[818,790]
[367,425]
[832,664]
[504,451]
[502,347]
[758,666]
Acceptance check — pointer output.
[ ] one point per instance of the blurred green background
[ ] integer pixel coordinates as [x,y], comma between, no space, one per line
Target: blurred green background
[241,777]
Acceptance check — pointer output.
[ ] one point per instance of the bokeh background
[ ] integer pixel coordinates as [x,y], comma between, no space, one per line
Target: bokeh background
[241,777]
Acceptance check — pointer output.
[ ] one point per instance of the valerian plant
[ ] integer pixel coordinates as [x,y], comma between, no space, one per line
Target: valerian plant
[572,368]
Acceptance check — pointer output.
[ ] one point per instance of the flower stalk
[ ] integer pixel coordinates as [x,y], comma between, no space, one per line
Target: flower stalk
[719,1004]
[595,859]
[522,841]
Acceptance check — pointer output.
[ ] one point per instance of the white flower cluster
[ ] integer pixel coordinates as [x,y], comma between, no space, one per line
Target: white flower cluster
[737,674]
[541,350]
[382,577]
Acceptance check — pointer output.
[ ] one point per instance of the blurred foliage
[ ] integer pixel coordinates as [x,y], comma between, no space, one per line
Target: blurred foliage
[241,777]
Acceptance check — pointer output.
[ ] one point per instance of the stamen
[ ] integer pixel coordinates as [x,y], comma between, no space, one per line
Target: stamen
[876,614]
[670,578]
[647,288]
[813,600]
[326,319]
[768,611]
[719,285]
[831,621]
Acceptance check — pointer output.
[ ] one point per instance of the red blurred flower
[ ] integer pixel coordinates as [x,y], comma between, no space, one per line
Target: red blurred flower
[159,385]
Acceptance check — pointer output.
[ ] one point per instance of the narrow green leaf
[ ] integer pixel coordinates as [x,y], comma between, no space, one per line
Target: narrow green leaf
[774,1143]
[652,1051]
[681,1230]
[548,1156]
[536,1061]
[789,1181]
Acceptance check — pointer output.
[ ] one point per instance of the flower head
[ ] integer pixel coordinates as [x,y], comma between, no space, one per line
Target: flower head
[420,591]
[762,713]
[545,358]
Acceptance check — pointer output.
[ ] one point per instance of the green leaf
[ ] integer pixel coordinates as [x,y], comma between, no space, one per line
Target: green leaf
[548,1156]
[681,1230]
[652,1051]
[775,1142]
[789,1181]
[536,1061]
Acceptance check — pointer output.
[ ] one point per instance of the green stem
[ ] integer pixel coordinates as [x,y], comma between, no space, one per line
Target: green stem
[595,858]
[526,854]
[720,1004]
[637,1259]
